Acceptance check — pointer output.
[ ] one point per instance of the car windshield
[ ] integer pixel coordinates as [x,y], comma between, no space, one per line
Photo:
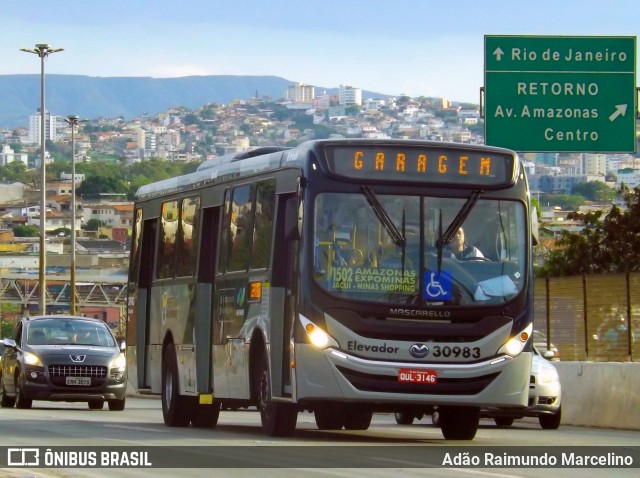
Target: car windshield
[377,247]
[69,332]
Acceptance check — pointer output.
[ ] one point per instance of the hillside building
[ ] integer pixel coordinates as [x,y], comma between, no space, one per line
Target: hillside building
[51,124]
[8,155]
[349,96]
[301,93]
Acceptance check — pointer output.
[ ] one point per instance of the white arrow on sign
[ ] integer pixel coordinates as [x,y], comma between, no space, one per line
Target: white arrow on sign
[620,110]
[498,53]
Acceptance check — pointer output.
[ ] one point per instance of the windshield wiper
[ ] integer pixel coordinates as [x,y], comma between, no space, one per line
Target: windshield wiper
[397,237]
[465,210]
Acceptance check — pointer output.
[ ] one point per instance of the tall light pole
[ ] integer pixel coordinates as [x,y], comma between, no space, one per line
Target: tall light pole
[42,50]
[73,122]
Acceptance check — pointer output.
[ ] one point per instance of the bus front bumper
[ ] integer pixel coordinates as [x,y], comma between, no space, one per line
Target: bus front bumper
[335,375]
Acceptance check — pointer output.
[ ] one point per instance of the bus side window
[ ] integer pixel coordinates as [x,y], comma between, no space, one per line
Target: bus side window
[240,228]
[263,223]
[188,241]
[168,235]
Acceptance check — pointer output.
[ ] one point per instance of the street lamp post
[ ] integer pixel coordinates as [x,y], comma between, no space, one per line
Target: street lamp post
[42,50]
[73,122]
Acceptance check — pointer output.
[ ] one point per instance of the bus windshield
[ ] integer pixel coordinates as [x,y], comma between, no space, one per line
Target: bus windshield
[423,250]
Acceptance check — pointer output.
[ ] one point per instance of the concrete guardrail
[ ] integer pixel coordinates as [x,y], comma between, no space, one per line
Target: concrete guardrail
[600,394]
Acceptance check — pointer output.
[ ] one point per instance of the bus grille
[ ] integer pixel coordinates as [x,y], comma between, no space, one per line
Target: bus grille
[445,386]
[93,371]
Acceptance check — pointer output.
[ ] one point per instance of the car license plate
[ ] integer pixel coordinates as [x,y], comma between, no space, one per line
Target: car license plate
[417,376]
[82,381]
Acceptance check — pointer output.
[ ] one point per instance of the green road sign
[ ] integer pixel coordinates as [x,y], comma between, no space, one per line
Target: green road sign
[560,94]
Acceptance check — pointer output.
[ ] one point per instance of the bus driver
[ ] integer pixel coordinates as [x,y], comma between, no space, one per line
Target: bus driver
[461,250]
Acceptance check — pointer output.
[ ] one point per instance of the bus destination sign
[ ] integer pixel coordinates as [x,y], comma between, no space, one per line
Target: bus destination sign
[425,165]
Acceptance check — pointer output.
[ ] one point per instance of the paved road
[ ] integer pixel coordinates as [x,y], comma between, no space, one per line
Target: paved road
[381,451]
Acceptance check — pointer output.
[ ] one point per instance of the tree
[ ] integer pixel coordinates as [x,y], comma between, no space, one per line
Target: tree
[609,244]
[15,171]
[93,225]
[191,118]
[6,328]
[566,201]
[26,231]
[594,191]
[95,185]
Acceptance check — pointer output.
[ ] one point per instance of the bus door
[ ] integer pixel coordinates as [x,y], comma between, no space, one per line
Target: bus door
[283,294]
[143,300]
[231,371]
[204,338]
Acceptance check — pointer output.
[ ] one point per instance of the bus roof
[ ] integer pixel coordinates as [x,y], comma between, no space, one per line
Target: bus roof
[245,163]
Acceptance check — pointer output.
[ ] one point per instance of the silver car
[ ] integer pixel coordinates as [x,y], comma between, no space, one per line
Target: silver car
[544,400]
[544,397]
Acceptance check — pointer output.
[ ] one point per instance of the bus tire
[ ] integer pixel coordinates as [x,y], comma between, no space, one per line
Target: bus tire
[357,418]
[330,416]
[206,416]
[459,423]
[174,407]
[277,418]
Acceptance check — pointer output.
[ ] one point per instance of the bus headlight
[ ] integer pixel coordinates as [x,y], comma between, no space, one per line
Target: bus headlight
[515,344]
[318,337]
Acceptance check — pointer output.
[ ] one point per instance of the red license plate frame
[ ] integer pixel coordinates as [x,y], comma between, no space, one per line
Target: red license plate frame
[409,375]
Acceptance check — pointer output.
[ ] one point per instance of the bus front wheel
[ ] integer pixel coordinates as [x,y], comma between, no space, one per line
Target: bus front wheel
[174,407]
[459,423]
[278,419]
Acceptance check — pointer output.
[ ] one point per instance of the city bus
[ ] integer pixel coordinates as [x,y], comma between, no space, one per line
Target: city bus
[322,278]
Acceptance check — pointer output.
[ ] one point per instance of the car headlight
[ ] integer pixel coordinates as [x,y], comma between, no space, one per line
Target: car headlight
[516,343]
[120,362]
[31,359]
[318,337]
[549,375]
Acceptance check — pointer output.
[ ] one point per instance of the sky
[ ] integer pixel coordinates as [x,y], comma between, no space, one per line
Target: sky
[432,48]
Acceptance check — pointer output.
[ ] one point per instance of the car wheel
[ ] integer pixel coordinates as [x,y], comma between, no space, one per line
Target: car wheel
[116,405]
[404,418]
[206,416]
[504,421]
[329,416]
[175,409]
[96,404]
[277,418]
[21,401]
[551,422]
[5,401]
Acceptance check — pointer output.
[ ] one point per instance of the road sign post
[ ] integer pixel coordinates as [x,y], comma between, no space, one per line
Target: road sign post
[560,94]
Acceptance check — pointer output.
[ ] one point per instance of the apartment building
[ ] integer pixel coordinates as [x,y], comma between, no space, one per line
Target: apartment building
[51,124]
[301,93]
[349,96]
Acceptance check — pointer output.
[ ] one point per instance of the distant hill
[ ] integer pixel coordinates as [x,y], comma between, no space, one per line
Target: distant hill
[93,97]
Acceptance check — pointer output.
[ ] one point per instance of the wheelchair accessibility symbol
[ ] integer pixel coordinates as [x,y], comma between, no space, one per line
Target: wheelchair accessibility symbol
[437,285]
